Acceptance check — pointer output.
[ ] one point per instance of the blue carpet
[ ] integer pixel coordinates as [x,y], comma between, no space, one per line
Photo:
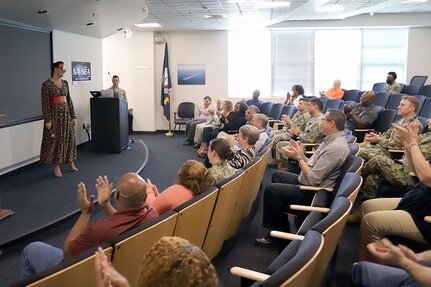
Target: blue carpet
[39,199]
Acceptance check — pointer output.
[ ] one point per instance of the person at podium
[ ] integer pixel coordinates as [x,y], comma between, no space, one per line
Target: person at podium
[121,93]
[118,92]
[58,140]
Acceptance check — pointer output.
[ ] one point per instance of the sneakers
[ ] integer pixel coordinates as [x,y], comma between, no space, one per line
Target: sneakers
[266,241]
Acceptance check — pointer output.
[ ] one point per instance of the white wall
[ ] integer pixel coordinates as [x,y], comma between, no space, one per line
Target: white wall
[20,145]
[198,47]
[418,54]
[132,59]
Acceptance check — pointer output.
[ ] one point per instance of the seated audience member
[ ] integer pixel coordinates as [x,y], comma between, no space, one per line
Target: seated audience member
[255,99]
[363,114]
[260,121]
[321,169]
[401,216]
[212,122]
[381,169]
[219,152]
[335,92]
[204,115]
[250,112]
[312,132]
[132,211]
[293,97]
[230,124]
[247,137]
[381,143]
[392,86]
[172,261]
[397,266]
[299,121]
[192,179]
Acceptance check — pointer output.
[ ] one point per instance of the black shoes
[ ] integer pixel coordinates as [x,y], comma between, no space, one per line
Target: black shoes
[266,241]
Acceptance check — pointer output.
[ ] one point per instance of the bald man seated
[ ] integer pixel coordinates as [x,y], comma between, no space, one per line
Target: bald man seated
[362,115]
[131,212]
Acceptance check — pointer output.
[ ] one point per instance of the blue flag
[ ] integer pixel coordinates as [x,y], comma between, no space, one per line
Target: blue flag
[166,87]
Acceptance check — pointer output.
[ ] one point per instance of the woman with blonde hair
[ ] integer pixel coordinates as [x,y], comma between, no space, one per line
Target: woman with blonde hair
[193,178]
[172,261]
[247,137]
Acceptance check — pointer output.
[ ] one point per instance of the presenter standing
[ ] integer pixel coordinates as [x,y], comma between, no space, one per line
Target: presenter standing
[121,93]
[58,141]
[118,92]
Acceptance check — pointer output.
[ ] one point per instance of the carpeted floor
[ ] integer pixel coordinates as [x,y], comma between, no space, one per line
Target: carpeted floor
[166,155]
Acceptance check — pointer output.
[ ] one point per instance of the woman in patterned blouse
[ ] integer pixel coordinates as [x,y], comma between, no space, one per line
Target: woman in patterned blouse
[247,137]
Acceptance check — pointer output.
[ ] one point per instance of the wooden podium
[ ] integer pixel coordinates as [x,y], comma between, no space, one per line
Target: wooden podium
[109,124]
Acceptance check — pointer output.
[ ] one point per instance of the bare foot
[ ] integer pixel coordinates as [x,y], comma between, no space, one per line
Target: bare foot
[72,167]
[57,171]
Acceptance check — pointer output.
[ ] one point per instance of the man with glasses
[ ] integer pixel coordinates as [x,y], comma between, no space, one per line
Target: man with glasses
[131,212]
[321,169]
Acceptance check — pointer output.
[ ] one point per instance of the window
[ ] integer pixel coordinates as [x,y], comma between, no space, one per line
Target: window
[249,63]
[273,62]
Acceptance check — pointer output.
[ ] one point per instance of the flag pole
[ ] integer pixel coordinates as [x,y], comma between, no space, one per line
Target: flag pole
[169,133]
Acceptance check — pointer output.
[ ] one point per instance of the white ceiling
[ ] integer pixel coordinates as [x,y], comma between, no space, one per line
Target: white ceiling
[110,15]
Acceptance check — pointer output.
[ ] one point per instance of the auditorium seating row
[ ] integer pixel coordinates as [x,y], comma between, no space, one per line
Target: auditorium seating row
[407,89]
[207,221]
[306,258]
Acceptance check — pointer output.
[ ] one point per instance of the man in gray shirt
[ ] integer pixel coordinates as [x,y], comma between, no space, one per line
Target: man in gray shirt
[321,169]
[363,114]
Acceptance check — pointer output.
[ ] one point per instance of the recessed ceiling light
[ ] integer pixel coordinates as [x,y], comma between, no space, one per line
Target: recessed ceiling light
[42,11]
[148,25]
[89,24]
[273,5]
[330,8]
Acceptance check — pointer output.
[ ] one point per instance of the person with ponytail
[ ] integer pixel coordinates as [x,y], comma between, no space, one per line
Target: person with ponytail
[219,152]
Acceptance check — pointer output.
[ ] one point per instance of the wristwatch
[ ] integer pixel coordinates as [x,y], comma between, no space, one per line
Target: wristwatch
[298,159]
[413,144]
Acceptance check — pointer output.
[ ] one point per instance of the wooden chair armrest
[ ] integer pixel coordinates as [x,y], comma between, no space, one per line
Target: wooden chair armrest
[277,126]
[310,152]
[364,130]
[427,219]
[285,235]
[310,144]
[274,121]
[396,150]
[249,274]
[309,208]
[412,174]
[315,188]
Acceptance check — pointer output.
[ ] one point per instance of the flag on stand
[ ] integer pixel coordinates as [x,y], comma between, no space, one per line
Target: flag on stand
[166,87]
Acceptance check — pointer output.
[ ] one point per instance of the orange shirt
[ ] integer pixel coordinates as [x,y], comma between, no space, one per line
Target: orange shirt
[168,199]
[335,94]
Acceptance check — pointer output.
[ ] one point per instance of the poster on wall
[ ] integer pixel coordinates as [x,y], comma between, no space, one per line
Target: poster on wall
[191,74]
[81,73]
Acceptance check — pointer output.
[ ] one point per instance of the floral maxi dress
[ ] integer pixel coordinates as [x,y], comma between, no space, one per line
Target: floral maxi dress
[59,142]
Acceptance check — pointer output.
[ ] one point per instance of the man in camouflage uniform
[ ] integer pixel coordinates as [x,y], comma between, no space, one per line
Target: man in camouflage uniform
[382,168]
[312,132]
[407,109]
[300,119]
